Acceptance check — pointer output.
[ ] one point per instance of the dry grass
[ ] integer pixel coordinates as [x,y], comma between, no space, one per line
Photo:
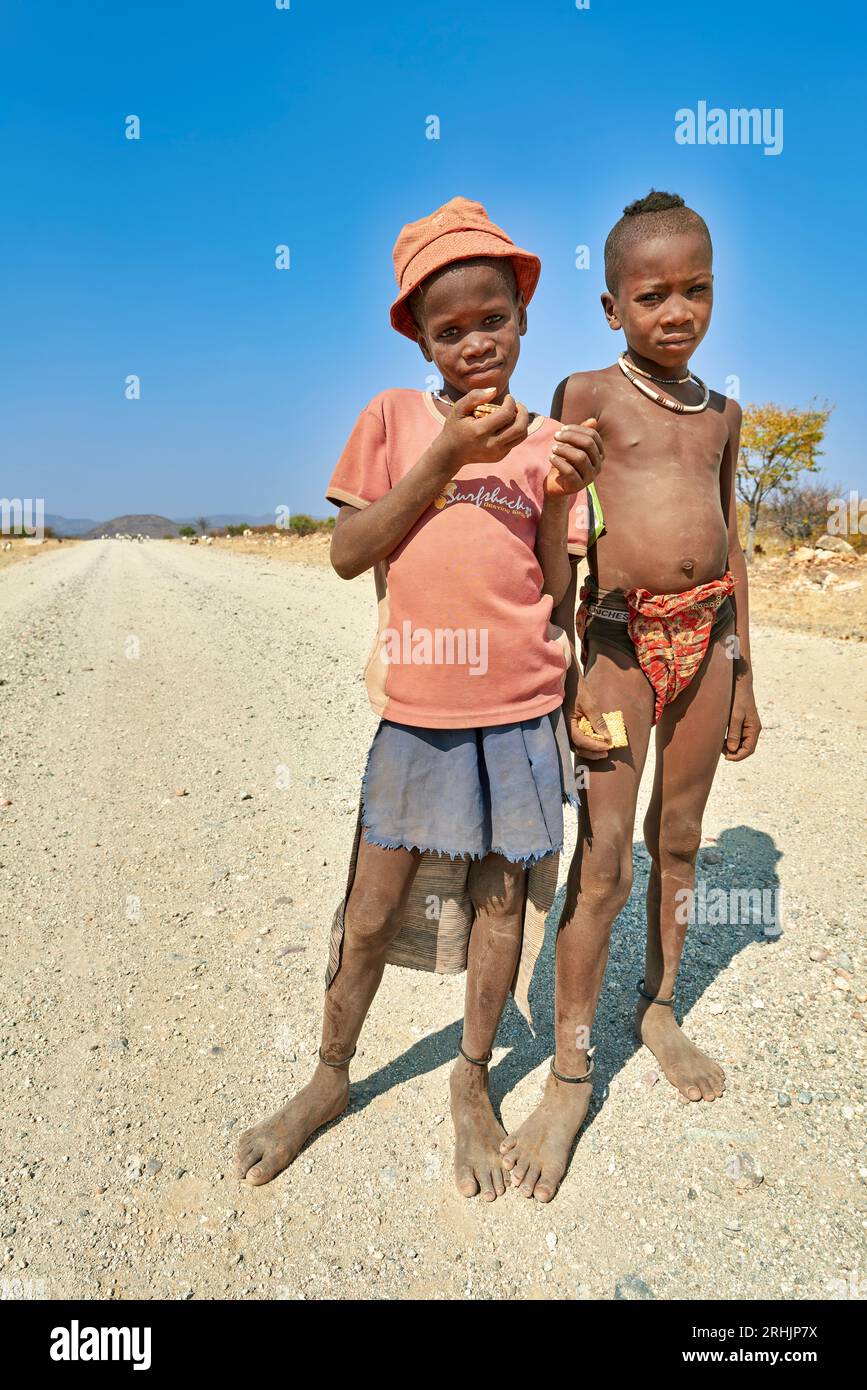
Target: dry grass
[811,596]
[26,550]
[299,550]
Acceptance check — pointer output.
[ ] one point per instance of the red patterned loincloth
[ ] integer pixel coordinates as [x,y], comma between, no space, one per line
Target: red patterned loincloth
[669,632]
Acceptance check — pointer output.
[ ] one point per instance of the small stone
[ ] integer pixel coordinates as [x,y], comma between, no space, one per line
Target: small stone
[843,985]
[818,953]
[758,1003]
[783,1100]
[744,1171]
[711,856]
[388,1176]
[412,1254]
[181,791]
[154,1165]
[716,1008]
[805,1098]
[632,1287]
[650,1078]
[848,1112]
[551,1240]
[649,1249]
[308,1167]
[246,796]
[732,1225]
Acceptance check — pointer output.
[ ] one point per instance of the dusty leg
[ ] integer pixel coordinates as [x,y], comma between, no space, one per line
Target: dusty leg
[688,741]
[383,879]
[600,879]
[497,890]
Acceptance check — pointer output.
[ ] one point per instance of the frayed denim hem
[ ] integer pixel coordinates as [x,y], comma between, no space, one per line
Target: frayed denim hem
[398,842]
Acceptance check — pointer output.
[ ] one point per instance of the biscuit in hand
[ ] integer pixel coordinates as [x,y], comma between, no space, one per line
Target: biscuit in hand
[616,727]
[480,411]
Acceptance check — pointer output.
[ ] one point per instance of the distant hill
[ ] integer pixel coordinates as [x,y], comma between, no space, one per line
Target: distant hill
[69,525]
[89,529]
[159,527]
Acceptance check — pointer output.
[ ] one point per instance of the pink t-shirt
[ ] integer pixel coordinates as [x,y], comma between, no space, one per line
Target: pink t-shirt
[464,635]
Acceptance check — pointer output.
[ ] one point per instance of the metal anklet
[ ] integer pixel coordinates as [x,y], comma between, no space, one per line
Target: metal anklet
[344,1063]
[573,1080]
[651,998]
[476,1061]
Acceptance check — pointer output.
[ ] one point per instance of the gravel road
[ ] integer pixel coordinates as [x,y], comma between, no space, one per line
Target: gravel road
[183,733]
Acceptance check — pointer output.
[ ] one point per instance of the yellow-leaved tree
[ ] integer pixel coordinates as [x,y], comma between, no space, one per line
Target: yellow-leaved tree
[776,445]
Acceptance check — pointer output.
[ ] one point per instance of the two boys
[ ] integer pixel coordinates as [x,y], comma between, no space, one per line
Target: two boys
[466,519]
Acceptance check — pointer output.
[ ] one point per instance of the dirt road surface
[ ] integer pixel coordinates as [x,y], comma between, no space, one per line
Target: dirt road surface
[183,734]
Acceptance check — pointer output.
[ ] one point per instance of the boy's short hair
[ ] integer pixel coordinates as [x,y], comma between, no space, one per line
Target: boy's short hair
[659,214]
[501,265]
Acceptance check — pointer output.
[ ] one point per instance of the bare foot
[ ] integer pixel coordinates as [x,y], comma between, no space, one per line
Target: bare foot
[537,1155]
[696,1076]
[478,1166]
[270,1146]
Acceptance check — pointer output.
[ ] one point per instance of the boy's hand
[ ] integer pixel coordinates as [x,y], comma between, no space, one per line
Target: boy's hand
[585,704]
[744,724]
[488,440]
[576,458]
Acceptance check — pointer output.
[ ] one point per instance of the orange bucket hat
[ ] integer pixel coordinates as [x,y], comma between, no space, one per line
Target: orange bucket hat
[458,231]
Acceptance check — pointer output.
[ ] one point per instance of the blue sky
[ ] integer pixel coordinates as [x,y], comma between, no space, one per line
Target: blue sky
[306,126]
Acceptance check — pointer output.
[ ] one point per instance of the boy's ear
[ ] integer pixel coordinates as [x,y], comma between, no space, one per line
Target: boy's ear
[422,342]
[522,314]
[609,308]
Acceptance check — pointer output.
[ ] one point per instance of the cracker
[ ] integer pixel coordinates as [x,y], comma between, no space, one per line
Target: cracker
[616,727]
[481,410]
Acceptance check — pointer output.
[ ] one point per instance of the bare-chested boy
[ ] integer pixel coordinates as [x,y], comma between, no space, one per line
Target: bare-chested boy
[465,522]
[664,627]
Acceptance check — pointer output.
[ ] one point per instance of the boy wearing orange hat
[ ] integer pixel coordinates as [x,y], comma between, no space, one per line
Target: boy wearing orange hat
[465,515]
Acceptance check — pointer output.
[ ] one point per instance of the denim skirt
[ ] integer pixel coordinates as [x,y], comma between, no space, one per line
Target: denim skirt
[470,792]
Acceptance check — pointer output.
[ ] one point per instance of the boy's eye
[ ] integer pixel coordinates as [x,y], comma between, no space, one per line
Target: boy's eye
[494,318]
[699,289]
[447,332]
[647,298]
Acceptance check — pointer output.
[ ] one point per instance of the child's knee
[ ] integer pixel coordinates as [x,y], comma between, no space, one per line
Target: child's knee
[372,921]
[606,877]
[679,838]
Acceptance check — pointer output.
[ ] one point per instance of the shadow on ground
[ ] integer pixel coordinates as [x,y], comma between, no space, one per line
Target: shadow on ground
[748,860]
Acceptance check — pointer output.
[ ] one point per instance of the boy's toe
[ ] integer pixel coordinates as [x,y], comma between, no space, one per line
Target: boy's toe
[498,1181]
[466,1182]
[518,1171]
[486,1187]
[266,1169]
[529,1183]
[248,1154]
[508,1143]
[546,1187]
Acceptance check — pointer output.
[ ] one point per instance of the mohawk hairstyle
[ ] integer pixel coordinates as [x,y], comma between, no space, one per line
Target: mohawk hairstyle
[659,214]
